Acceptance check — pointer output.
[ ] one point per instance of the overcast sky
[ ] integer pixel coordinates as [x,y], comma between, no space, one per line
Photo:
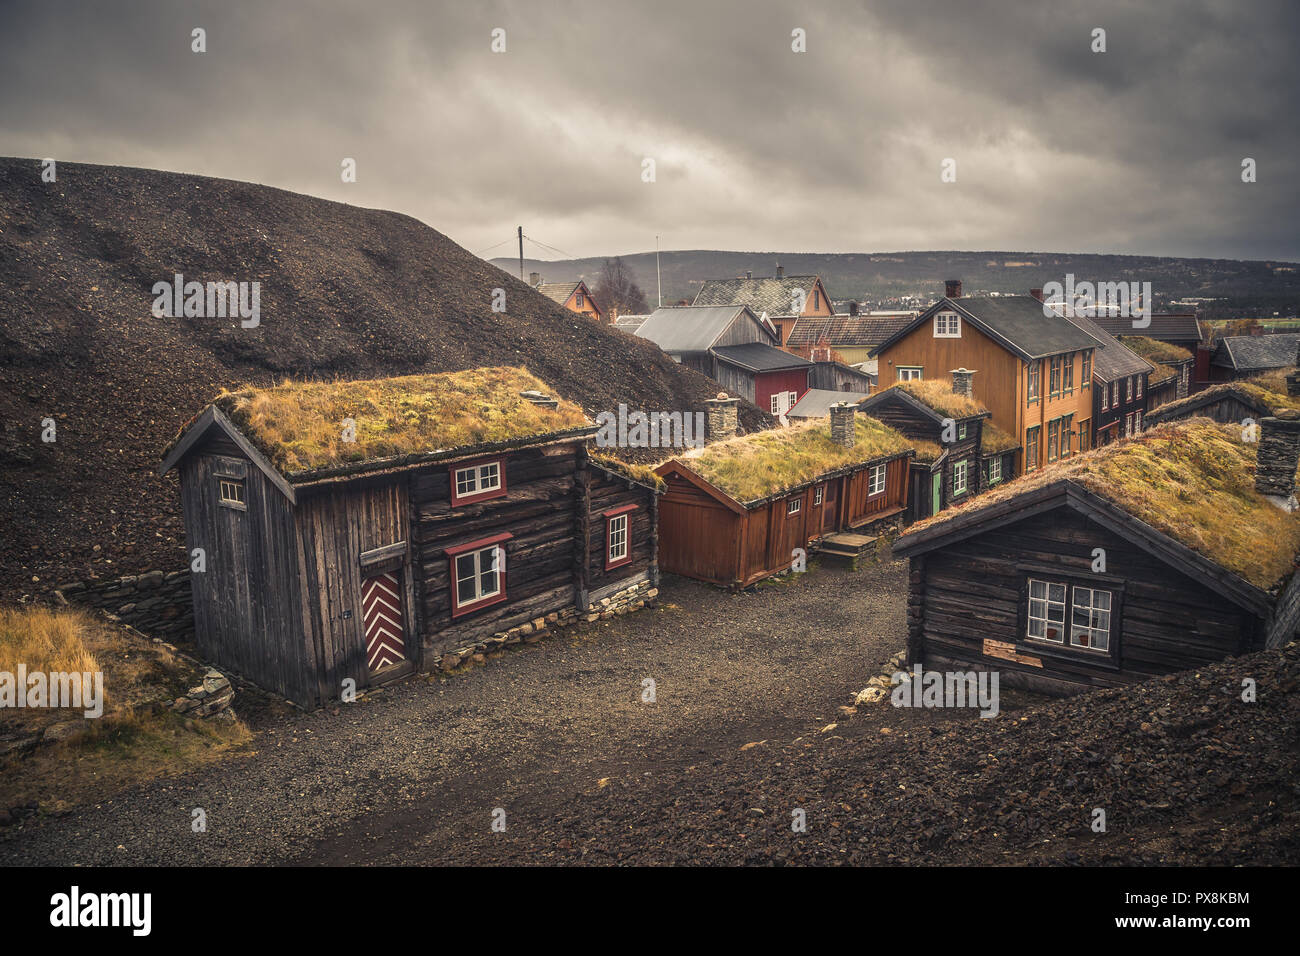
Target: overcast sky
[756,147]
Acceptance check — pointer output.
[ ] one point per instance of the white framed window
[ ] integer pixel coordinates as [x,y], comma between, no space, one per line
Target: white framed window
[579,300]
[1137,422]
[230,492]
[1090,618]
[616,538]
[791,399]
[995,470]
[472,481]
[793,506]
[479,575]
[947,325]
[876,481]
[908,373]
[1139,385]
[1128,425]
[1046,611]
[961,432]
[960,477]
[818,495]
[775,403]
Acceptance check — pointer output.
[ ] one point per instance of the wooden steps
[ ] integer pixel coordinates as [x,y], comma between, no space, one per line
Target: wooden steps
[847,548]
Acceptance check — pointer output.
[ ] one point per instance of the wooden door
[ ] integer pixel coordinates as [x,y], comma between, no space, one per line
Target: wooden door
[830,507]
[936,494]
[381,608]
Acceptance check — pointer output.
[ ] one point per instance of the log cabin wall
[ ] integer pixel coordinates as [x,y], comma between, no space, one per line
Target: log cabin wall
[974,590]
[247,605]
[336,525]
[614,493]
[540,511]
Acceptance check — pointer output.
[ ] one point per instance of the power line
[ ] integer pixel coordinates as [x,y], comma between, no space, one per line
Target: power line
[501,243]
[567,255]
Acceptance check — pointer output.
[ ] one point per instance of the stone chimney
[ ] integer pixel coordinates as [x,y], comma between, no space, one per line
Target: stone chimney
[952,288]
[720,417]
[1277,457]
[1293,377]
[1037,294]
[961,381]
[749,274]
[539,399]
[534,279]
[842,421]
[854,308]
[780,271]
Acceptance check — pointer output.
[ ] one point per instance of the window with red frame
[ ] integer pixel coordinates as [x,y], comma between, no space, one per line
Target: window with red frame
[478,481]
[478,574]
[618,537]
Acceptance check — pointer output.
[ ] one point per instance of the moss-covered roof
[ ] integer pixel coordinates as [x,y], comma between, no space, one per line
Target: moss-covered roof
[1155,351]
[1193,480]
[994,440]
[939,396]
[762,464]
[300,426]
[1256,389]
[927,451]
[634,470]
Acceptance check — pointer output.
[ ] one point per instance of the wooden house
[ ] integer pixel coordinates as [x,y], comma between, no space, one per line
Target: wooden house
[731,346]
[1171,376]
[1166,552]
[362,530]
[1034,367]
[1237,403]
[947,426]
[1179,329]
[1119,391]
[574,296]
[781,298]
[735,511]
[845,338]
[1246,356]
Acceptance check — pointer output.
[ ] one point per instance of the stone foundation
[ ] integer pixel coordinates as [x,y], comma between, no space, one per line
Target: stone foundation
[208,699]
[158,603]
[631,598]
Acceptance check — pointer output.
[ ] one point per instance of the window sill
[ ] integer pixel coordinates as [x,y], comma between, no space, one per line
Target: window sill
[620,563]
[460,610]
[457,501]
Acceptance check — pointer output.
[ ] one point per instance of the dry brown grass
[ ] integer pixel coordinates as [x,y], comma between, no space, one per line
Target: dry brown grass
[994,440]
[765,463]
[634,470]
[1192,480]
[1153,350]
[939,395]
[300,425]
[1268,389]
[46,640]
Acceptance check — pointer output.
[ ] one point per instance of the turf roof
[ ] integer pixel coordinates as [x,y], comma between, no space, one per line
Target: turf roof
[299,426]
[1268,390]
[994,440]
[1153,350]
[938,395]
[1194,481]
[762,464]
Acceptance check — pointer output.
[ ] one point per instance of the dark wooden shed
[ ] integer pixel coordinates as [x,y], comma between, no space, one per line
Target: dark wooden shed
[362,530]
[1143,558]
[734,512]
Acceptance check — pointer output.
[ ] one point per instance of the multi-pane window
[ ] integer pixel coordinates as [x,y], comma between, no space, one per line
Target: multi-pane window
[1067,428]
[1128,425]
[1031,447]
[1105,397]
[1139,378]
[818,494]
[475,480]
[1054,382]
[947,325]
[580,300]
[1067,374]
[1114,394]
[1086,377]
[995,470]
[961,432]
[1053,440]
[1128,389]
[791,399]
[908,373]
[776,403]
[1035,371]
[230,492]
[1046,611]
[793,506]
[876,480]
[959,471]
[1085,440]
[616,538]
[1090,618]
[479,575]
[1137,422]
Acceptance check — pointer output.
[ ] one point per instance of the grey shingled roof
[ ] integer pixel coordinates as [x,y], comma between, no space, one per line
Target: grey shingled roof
[630,323]
[688,328]
[758,357]
[1112,360]
[1165,326]
[817,402]
[845,331]
[1018,322]
[773,296]
[558,291]
[1257,352]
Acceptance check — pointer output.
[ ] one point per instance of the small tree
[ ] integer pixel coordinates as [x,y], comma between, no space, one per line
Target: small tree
[617,291]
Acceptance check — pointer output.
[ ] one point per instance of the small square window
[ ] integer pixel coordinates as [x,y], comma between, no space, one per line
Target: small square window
[818,495]
[793,506]
[876,481]
[947,325]
[230,492]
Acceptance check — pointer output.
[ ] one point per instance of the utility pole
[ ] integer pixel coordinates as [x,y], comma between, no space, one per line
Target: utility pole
[521,253]
[659,278]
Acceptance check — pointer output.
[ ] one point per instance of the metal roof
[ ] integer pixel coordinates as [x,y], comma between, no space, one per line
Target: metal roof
[1112,360]
[690,328]
[817,402]
[758,357]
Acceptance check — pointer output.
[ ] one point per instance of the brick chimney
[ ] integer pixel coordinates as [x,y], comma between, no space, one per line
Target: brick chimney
[854,308]
[842,422]
[1293,377]
[534,279]
[952,288]
[961,381]
[1037,294]
[720,417]
[780,271]
[1277,457]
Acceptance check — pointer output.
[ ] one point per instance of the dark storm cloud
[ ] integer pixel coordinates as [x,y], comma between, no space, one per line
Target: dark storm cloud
[837,149]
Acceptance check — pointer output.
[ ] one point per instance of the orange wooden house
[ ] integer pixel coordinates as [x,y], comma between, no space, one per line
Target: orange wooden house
[736,511]
[574,296]
[1033,368]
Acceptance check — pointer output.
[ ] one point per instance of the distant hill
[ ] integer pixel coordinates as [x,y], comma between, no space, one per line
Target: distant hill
[345,292]
[1250,288]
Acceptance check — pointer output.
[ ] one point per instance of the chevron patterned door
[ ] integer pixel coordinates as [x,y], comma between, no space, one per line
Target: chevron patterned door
[381,605]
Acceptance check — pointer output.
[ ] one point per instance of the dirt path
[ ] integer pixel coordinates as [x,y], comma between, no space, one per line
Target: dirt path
[412,773]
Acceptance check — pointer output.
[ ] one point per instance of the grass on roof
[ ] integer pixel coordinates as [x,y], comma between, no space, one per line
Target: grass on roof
[1268,389]
[1159,374]
[1193,480]
[634,470]
[1153,350]
[994,440]
[927,451]
[939,395]
[768,462]
[300,426]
